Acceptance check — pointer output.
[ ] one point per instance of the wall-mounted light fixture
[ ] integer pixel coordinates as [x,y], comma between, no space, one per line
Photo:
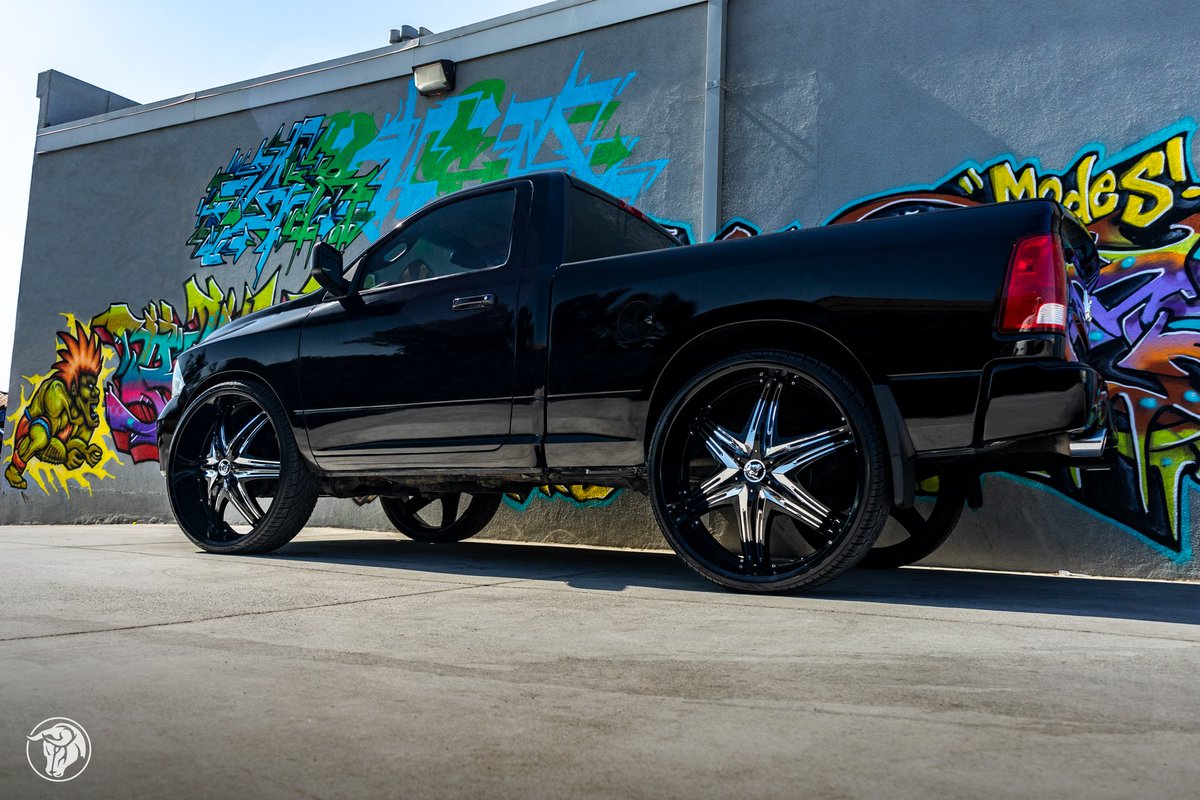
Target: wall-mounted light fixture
[434,79]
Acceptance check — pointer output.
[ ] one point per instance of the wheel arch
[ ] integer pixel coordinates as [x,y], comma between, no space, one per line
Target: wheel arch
[246,370]
[788,328]
[724,337]
[240,372]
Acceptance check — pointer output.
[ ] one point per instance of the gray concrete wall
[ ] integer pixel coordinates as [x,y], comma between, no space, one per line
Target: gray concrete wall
[832,109]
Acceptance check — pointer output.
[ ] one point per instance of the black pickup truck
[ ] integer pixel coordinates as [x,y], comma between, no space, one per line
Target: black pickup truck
[776,396]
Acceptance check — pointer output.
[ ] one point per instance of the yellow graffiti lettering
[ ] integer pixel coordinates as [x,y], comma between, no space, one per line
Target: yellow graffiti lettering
[1051,186]
[1008,186]
[1141,189]
[1103,198]
[581,494]
[1175,159]
[1078,199]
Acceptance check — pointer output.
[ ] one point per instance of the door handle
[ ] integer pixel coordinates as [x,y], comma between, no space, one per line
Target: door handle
[474,301]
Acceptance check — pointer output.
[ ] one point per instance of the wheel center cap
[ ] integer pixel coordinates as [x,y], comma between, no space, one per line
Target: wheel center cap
[754,470]
[224,468]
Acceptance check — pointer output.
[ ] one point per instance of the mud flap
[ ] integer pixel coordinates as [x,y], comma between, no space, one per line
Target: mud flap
[900,447]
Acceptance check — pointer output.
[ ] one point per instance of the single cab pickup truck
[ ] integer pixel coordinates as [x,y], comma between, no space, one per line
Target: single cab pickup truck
[777,397]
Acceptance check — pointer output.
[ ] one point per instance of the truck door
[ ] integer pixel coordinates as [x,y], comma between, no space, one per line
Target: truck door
[419,358]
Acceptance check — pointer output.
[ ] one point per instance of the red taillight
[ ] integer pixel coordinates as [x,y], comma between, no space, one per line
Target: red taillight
[1035,291]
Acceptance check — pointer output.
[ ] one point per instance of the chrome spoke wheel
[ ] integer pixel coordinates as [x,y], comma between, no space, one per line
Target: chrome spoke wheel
[225,468]
[759,473]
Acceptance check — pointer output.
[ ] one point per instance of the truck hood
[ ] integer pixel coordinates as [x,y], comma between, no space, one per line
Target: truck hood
[261,320]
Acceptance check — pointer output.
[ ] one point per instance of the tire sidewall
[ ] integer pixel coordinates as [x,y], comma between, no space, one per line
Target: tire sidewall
[866,430]
[289,462]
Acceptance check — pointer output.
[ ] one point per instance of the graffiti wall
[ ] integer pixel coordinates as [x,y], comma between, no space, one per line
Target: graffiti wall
[343,178]
[338,177]
[191,226]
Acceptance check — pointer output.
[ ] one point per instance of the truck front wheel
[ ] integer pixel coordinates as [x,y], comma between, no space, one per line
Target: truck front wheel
[768,472]
[235,477]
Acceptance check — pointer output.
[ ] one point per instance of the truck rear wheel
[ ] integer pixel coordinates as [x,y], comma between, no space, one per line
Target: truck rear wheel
[768,473]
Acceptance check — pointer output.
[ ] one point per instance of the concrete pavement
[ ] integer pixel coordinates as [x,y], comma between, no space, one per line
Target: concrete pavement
[360,664]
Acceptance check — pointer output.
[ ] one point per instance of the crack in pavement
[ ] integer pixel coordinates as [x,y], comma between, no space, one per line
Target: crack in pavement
[258,613]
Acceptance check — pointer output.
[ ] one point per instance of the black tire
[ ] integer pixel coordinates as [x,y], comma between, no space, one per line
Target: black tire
[235,447]
[926,532]
[405,513]
[806,475]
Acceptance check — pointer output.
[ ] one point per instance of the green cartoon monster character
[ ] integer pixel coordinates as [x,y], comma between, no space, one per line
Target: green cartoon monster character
[57,423]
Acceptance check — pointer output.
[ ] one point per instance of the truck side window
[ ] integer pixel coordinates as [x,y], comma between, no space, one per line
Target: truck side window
[598,229]
[470,234]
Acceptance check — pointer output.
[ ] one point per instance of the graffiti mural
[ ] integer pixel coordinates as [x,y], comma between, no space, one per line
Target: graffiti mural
[144,346]
[118,364]
[58,433]
[574,494]
[346,177]
[334,178]
[341,178]
[1142,206]
[297,188]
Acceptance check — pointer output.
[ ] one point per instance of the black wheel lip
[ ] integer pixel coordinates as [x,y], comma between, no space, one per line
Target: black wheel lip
[732,579]
[212,393]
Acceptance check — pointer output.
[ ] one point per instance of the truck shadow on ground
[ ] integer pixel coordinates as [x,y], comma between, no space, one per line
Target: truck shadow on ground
[619,570]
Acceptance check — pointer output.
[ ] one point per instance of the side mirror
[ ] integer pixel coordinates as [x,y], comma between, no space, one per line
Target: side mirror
[325,264]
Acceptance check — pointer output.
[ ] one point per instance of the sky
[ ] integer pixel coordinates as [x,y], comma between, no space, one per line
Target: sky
[150,51]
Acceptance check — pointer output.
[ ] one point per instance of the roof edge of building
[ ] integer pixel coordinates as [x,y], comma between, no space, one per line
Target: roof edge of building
[509,32]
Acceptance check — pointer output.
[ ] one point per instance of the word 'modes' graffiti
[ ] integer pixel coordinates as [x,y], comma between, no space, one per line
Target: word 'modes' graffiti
[338,178]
